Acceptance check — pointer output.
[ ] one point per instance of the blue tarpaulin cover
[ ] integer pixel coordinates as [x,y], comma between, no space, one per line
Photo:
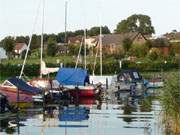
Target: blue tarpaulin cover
[23,86]
[72,76]
[74,114]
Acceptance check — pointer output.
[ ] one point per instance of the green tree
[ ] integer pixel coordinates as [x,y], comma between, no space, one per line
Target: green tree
[8,45]
[136,23]
[139,50]
[160,42]
[73,49]
[94,31]
[36,42]
[52,46]
[127,42]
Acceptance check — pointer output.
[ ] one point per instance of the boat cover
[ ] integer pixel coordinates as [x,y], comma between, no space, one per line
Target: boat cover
[72,76]
[23,86]
[130,75]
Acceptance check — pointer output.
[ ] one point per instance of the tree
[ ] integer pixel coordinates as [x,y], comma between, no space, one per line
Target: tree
[139,50]
[52,47]
[160,42]
[35,42]
[154,54]
[94,31]
[8,45]
[22,39]
[127,42]
[136,23]
[74,49]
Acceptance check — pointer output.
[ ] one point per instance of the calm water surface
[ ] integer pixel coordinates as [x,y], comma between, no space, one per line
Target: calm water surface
[109,117]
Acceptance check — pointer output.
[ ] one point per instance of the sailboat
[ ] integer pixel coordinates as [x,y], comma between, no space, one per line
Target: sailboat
[76,80]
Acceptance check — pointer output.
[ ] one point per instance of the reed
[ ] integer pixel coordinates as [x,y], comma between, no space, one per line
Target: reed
[170,100]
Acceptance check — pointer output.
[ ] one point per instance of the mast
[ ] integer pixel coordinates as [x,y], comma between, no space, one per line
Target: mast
[65,22]
[100,46]
[43,8]
[100,38]
[85,48]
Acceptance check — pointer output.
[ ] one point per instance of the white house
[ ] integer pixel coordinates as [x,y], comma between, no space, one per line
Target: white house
[91,41]
[2,53]
[19,48]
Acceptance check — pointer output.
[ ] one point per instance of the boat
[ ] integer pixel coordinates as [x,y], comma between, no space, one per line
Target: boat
[14,86]
[130,80]
[155,83]
[76,82]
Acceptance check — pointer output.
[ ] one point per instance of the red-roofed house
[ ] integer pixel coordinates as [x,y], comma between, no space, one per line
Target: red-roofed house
[19,48]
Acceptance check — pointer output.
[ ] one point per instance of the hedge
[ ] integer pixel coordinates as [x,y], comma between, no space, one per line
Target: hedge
[109,67]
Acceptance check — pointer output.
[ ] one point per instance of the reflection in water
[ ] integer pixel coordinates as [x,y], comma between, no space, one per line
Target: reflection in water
[5,127]
[92,117]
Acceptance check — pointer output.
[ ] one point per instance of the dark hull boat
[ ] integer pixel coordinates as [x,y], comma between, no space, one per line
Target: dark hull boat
[14,87]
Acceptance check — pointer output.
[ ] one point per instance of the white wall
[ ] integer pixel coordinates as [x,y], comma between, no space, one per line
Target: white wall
[2,53]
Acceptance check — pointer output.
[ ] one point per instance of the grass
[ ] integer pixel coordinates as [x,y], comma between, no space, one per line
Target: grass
[53,60]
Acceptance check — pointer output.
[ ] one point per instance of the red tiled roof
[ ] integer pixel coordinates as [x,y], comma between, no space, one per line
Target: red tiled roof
[19,46]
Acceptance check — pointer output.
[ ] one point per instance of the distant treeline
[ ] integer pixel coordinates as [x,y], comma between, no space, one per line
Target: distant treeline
[60,37]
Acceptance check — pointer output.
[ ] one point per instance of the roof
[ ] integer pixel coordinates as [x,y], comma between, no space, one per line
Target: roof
[74,40]
[19,46]
[117,39]
[72,76]
[172,35]
[23,86]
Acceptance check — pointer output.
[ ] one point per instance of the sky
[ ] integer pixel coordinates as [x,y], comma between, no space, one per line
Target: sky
[17,17]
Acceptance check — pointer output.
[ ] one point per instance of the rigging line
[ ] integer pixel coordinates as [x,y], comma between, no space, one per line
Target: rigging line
[85,36]
[30,39]
[79,53]
[43,9]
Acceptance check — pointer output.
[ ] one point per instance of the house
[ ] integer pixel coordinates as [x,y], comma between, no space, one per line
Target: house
[91,41]
[110,42]
[62,48]
[2,53]
[162,44]
[75,40]
[19,48]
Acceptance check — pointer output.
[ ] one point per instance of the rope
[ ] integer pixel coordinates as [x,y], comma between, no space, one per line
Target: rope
[95,61]
[30,39]
[79,53]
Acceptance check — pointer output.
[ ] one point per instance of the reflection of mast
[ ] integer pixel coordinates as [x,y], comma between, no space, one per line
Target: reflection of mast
[43,8]
[65,38]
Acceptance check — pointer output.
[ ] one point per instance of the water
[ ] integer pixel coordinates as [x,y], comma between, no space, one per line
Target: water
[108,117]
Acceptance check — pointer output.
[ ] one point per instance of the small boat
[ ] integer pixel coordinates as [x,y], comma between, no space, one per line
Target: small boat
[155,83]
[76,82]
[14,85]
[130,80]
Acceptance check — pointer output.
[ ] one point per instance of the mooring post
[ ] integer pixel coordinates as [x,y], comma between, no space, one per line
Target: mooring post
[106,83]
[44,104]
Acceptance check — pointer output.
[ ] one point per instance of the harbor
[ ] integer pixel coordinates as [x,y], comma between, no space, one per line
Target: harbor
[91,67]
[112,115]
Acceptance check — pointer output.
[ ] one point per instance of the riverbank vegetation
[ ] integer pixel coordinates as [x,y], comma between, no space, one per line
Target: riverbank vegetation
[170,100]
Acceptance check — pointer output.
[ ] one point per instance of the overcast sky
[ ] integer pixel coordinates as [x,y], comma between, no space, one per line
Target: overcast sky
[18,16]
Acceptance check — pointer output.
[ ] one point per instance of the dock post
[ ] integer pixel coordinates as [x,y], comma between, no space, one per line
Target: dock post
[106,83]
[44,104]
